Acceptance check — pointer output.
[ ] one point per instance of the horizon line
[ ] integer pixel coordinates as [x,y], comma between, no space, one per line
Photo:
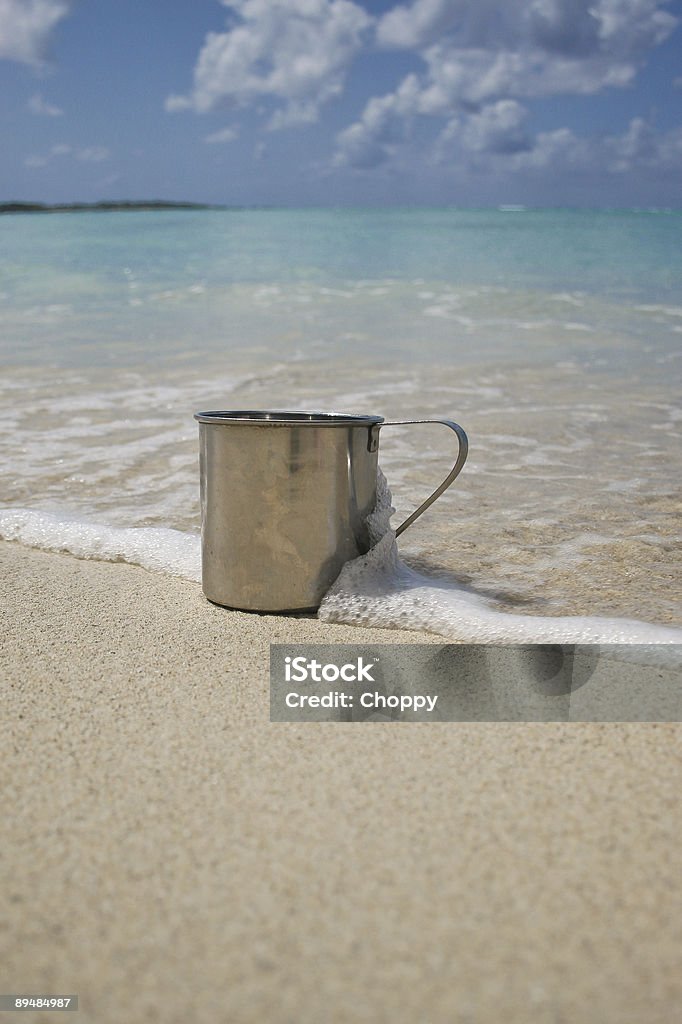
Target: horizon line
[30,205]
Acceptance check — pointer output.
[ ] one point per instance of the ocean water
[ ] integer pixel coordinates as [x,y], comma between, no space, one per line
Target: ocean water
[553,337]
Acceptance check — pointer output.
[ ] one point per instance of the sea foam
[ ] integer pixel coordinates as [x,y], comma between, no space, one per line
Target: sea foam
[157,548]
[377,589]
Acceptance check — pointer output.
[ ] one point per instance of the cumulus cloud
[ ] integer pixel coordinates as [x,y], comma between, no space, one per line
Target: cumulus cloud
[482,56]
[495,141]
[384,124]
[294,52]
[38,105]
[560,148]
[482,62]
[25,28]
[566,27]
[497,128]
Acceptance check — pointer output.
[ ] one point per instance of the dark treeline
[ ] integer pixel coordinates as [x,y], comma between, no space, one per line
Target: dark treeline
[125,204]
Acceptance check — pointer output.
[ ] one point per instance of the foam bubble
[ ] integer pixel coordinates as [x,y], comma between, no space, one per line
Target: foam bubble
[156,548]
[378,589]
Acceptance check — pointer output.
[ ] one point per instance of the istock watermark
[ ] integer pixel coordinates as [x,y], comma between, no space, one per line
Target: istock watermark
[300,670]
[475,682]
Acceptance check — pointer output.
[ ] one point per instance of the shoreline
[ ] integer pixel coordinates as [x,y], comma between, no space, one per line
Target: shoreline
[182,599]
[164,837]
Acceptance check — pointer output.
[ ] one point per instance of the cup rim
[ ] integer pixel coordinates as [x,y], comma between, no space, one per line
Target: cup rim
[286,418]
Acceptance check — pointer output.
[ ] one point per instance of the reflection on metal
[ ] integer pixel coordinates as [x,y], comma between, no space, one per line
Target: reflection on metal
[285,498]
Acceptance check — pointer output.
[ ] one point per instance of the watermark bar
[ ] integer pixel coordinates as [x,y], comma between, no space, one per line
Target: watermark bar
[34,1002]
[475,682]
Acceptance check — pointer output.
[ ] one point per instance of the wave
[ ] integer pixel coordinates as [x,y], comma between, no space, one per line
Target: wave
[157,548]
[378,589]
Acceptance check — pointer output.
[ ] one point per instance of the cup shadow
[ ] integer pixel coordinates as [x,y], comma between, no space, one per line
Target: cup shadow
[439,574]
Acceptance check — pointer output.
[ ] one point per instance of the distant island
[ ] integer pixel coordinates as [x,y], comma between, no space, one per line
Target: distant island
[105,205]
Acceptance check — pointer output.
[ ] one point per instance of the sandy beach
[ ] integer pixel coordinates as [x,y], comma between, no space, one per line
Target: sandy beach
[356,242]
[170,855]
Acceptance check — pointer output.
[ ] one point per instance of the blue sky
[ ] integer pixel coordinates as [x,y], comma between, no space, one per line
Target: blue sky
[334,102]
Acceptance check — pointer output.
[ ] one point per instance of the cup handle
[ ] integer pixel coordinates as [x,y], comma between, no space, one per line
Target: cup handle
[461,459]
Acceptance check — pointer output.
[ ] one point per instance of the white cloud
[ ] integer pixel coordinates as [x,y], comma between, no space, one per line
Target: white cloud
[424,22]
[224,135]
[556,150]
[639,147]
[383,125]
[92,154]
[497,128]
[669,153]
[25,27]
[519,48]
[496,139]
[87,154]
[482,57]
[294,52]
[38,105]
[461,78]
[565,27]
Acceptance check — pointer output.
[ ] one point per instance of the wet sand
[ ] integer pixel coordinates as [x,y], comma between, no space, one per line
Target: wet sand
[170,855]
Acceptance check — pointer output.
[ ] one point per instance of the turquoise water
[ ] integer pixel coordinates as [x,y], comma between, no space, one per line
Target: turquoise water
[73,285]
[553,336]
[620,252]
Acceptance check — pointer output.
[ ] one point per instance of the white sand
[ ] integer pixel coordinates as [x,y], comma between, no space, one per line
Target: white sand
[170,855]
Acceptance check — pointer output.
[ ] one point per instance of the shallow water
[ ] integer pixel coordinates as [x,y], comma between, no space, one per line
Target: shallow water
[379,589]
[553,337]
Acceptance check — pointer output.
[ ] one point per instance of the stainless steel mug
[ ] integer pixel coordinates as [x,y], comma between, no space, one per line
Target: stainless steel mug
[284,502]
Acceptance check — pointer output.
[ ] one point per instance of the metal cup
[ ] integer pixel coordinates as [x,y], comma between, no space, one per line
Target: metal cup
[285,498]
